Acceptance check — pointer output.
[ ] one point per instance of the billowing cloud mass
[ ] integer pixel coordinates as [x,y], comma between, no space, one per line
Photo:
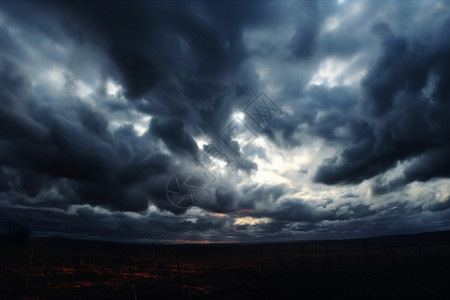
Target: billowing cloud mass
[240,121]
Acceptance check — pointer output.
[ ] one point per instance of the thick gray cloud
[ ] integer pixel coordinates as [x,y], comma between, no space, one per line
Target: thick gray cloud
[102,103]
[407,123]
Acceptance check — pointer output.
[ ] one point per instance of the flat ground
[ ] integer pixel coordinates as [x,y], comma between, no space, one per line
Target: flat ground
[400,267]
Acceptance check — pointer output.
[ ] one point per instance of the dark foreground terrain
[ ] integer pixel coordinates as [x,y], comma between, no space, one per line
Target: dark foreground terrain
[394,267]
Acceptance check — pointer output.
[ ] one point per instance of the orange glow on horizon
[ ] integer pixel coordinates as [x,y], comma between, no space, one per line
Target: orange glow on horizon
[205,242]
[216,214]
[183,241]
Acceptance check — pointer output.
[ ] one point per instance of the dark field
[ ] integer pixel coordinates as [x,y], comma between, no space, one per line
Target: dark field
[400,267]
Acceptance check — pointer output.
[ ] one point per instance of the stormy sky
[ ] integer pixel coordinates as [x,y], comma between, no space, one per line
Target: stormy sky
[225,121]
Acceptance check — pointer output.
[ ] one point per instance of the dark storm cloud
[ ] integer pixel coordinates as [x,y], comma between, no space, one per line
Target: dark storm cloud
[177,61]
[85,223]
[304,41]
[147,44]
[172,132]
[264,193]
[407,124]
[229,199]
[326,112]
[300,210]
[43,145]
[153,43]
[73,152]
[120,30]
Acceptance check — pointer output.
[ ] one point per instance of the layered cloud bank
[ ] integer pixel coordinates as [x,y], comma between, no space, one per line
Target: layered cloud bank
[241,121]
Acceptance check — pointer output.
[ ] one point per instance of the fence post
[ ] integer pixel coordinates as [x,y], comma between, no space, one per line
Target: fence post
[30,263]
[44,288]
[181,278]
